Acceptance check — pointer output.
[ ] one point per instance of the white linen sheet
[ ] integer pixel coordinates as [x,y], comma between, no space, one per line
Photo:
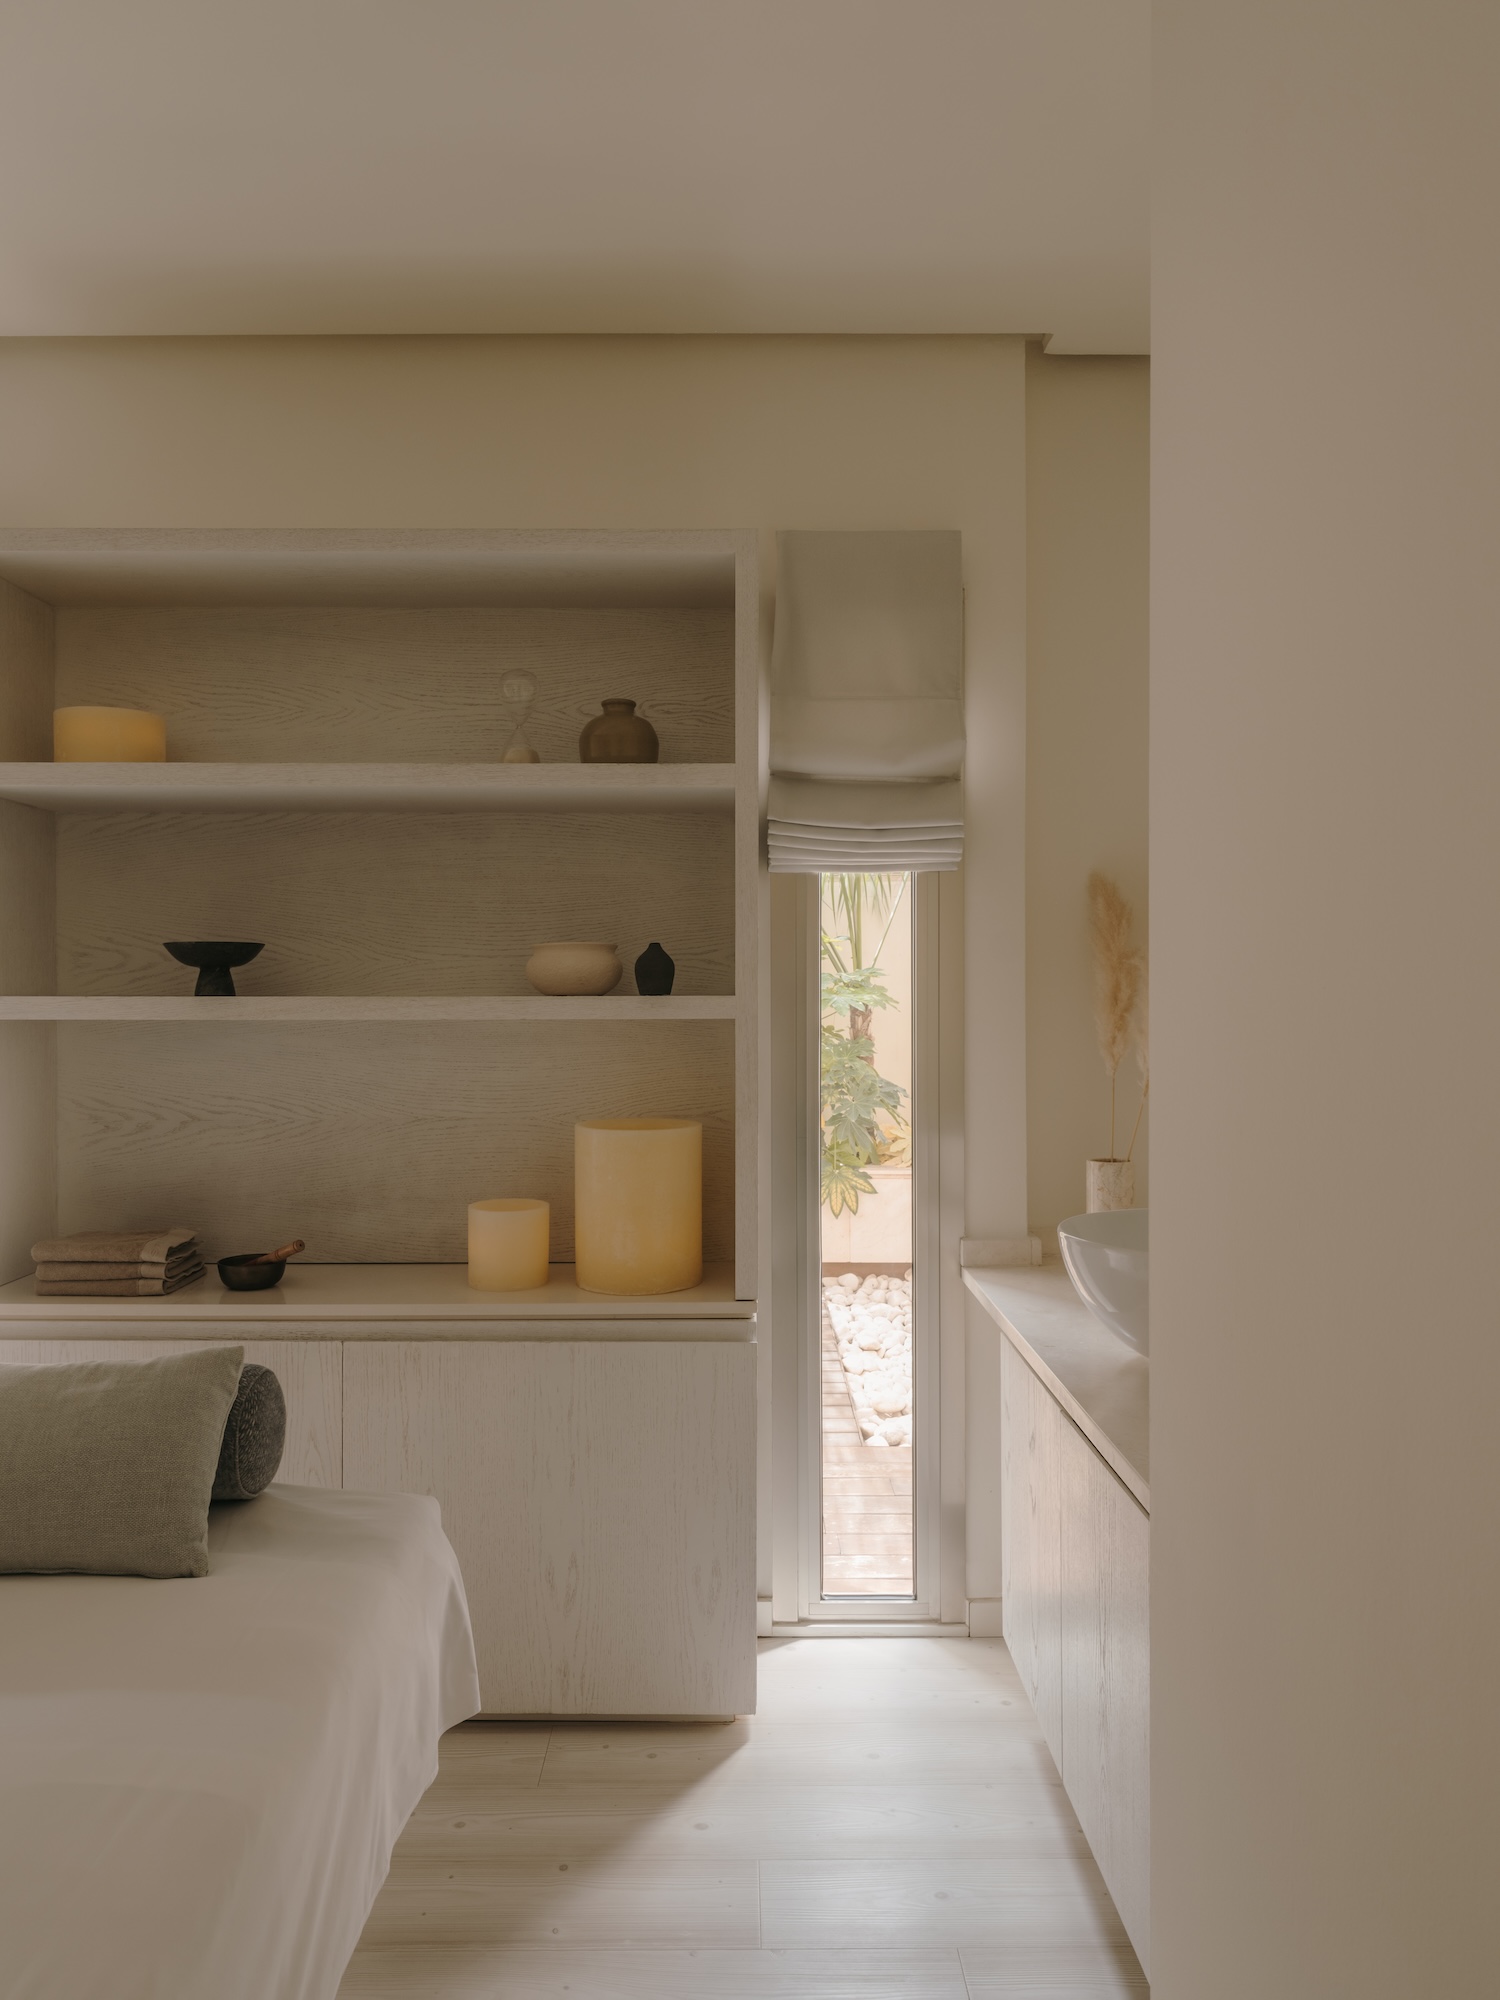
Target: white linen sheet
[201,1779]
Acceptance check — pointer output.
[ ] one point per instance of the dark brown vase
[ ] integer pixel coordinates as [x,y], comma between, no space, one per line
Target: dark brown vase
[619,736]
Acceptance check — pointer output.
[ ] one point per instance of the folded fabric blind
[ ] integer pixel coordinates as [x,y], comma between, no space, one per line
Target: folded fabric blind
[867,735]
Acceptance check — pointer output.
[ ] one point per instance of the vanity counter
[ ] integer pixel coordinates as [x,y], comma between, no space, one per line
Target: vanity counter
[1104,1386]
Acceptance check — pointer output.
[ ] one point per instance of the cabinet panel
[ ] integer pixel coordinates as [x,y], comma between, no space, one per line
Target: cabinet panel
[1031,1533]
[1105,1676]
[601,1499]
[310,1373]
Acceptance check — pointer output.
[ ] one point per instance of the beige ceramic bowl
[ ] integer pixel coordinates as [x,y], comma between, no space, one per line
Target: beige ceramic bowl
[574,968]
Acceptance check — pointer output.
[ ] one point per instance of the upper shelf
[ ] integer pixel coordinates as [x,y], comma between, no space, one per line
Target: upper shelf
[332,1009]
[425,567]
[367,787]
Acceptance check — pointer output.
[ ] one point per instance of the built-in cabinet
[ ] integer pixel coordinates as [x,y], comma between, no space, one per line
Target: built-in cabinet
[599,1494]
[1076,1592]
[601,1498]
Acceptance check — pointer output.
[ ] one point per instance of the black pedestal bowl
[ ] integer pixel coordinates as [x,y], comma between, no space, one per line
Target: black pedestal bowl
[215,963]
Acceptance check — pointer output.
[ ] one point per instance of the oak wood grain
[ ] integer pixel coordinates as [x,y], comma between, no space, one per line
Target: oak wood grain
[928,1901]
[267,683]
[1105,1577]
[1061,1972]
[601,1502]
[26,666]
[750,1821]
[28,1055]
[370,1143]
[382,903]
[576,1901]
[892,1841]
[551,1971]
[1031,1538]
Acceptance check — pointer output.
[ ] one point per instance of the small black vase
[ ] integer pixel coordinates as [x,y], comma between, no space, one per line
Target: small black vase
[654,971]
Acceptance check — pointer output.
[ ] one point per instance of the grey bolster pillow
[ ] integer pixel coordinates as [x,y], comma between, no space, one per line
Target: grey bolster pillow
[254,1436]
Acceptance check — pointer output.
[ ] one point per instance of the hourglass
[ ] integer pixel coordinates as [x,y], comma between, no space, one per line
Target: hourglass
[519,692]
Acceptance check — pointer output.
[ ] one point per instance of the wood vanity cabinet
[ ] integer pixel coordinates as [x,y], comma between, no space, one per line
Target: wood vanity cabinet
[1075,1609]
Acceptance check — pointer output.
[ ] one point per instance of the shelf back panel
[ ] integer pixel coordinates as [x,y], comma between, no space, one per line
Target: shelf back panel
[289,683]
[372,903]
[370,1142]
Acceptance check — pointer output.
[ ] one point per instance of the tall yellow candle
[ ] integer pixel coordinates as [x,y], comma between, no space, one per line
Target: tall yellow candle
[508,1245]
[108,736]
[638,1204]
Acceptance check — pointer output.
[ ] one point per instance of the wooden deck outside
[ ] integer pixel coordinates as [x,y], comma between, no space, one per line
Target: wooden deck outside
[867,1498]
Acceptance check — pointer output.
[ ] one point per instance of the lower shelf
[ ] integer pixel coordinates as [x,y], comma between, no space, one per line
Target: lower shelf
[380,1292]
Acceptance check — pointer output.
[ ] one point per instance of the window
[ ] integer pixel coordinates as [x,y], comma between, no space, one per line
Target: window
[866,1292]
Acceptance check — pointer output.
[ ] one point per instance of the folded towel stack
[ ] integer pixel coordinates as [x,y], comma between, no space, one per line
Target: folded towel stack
[146,1264]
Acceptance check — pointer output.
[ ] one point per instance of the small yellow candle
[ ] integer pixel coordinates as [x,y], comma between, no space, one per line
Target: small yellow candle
[108,736]
[638,1204]
[508,1245]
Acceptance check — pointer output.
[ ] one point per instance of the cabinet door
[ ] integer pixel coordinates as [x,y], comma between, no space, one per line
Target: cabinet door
[1031,1534]
[600,1496]
[310,1373]
[1105,1677]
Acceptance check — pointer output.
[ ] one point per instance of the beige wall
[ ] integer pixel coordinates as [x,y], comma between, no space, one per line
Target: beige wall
[1087,500]
[1325,850]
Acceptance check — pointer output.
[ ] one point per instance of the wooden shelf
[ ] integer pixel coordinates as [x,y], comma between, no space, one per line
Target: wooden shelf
[370,787]
[368,1293]
[498,1007]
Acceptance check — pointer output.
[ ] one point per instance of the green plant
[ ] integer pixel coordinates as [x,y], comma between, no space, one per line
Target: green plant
[862,1117]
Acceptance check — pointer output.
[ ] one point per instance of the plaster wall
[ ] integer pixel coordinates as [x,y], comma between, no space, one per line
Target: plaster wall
[1325,823]
[1087,510]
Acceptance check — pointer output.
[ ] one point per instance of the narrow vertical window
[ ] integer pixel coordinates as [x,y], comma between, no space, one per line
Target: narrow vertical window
[866,1244]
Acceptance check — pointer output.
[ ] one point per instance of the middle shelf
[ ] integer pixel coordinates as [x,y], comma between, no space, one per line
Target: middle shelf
[366,1007]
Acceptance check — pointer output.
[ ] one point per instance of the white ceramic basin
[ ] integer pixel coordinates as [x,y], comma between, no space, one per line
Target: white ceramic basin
[1106,1259]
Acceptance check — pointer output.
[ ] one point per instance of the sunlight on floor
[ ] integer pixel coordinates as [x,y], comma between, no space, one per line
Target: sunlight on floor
[890,1826]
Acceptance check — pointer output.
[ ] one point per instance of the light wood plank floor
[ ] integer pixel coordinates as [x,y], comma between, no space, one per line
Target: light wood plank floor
[888,1827]
[867,1497]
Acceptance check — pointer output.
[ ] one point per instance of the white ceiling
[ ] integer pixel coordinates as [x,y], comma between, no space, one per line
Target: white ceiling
[576,166]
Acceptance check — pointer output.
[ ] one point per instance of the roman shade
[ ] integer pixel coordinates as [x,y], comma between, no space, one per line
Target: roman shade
[867,735]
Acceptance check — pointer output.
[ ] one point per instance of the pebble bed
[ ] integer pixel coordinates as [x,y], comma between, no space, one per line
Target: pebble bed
[871,1320]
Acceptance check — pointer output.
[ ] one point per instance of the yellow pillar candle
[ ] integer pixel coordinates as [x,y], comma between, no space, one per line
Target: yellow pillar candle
[108,736]
[508,1245]
[638,1204]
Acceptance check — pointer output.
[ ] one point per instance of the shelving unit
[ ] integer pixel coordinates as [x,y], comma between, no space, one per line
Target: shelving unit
[399,900]
[331,703]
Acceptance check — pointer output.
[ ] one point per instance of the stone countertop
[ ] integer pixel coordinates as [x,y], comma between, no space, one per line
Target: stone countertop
[1104,1386]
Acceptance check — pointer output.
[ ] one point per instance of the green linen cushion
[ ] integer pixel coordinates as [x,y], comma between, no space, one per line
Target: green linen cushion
[107,1467]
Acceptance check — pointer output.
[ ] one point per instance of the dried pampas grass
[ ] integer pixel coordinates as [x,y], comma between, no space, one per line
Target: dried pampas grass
[1117,978]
